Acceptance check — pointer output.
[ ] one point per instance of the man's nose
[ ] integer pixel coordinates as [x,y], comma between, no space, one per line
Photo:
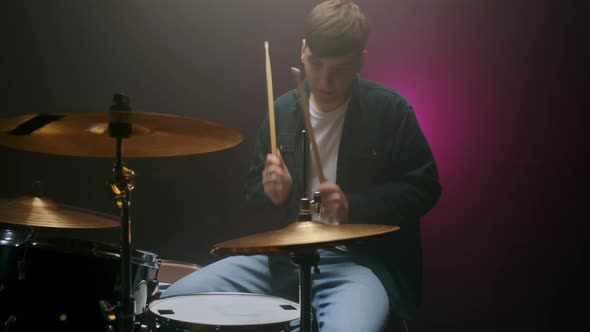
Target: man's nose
[326,80]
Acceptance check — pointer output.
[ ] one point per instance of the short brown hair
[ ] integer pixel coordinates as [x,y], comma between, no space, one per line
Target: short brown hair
[336,27]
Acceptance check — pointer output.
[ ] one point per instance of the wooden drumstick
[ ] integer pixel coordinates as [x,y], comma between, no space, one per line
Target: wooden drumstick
[303,102]
[271,108]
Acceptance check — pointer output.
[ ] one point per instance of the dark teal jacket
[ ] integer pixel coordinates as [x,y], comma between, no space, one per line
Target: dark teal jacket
[385,168]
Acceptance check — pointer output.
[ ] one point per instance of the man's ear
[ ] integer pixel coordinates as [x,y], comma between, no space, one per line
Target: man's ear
[363,59]
[302,48]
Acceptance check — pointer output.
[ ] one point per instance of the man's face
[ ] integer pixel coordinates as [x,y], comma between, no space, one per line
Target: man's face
[330,78]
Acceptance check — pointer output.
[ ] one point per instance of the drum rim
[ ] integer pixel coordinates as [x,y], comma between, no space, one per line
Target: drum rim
[17,237]
[229,293]
[93,248]
[177,263]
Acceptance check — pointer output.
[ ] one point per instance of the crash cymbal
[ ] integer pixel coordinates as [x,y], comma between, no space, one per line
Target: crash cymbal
[42,212]
[300,235]
[86,134]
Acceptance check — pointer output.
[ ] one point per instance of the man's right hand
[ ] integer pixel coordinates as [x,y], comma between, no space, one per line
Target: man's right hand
[276,179]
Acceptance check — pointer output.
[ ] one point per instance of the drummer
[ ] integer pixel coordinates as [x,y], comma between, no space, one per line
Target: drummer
[379,169]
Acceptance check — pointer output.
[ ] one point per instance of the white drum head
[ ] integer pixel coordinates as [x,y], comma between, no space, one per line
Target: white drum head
[226,309]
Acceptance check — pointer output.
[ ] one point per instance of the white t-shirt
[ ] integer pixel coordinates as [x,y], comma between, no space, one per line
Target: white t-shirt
[327,128]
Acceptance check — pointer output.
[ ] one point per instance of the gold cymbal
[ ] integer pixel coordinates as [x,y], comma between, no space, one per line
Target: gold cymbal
[300,235]
[86,134]
[42,212]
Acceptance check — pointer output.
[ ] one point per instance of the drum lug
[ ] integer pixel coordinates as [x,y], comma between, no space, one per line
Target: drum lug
[141,328]
[10,324]
[152,289]
[107,310]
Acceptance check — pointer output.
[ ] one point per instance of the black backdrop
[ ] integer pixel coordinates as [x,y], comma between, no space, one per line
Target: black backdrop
[502,248]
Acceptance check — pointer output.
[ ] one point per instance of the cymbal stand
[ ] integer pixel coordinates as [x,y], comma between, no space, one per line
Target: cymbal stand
[122,183]
[23,263]
[305,259]
[308,257]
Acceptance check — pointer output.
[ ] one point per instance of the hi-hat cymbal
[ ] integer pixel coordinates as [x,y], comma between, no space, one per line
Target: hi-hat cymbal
[299,236]
[86,134]
[42,212]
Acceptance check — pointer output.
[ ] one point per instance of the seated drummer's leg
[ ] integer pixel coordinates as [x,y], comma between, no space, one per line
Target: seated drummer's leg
[243,274]
[348,296]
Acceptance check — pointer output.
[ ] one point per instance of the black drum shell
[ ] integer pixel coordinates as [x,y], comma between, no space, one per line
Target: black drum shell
[54,283]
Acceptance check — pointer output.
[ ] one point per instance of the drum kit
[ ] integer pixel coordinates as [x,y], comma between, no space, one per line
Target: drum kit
[66,284]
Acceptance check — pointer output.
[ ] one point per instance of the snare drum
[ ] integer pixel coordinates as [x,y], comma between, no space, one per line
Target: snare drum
[58,283]
[224,312]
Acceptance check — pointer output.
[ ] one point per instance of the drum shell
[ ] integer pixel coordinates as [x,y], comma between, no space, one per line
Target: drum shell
[11,249]
[169,272]
[57,283]
[158,326]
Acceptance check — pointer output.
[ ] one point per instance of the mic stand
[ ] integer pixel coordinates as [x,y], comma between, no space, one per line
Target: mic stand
[316,200]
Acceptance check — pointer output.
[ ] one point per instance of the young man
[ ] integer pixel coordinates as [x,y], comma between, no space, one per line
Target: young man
[379,170]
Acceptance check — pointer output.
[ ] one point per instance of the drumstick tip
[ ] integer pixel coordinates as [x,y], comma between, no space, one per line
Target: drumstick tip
[266,45]
[295,71]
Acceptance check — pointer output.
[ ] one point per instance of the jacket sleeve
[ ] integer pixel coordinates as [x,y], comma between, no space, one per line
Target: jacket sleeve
[253,189]
[412,188]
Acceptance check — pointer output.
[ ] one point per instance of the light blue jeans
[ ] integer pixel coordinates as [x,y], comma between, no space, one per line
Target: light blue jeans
[346,294]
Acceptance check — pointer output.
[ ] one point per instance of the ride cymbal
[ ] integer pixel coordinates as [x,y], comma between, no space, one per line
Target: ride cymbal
[86,134]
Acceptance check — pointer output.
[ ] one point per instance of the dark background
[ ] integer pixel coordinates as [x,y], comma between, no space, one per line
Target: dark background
[496,85]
